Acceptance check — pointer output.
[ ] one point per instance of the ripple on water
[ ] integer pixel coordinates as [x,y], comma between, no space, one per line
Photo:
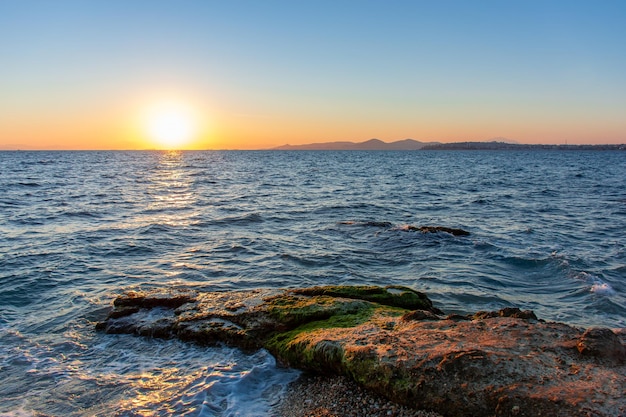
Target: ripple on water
[78,227]
[130,376]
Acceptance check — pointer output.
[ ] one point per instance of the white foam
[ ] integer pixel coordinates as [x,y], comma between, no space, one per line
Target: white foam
[597,286]
[602,288]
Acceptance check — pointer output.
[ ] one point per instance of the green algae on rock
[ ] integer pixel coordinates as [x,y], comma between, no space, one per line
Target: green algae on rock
[392,295]
[301,349]
[293,310]
[394,342]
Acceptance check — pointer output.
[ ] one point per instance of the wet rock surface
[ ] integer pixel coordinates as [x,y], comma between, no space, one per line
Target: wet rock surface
[394,342]
[422,229]
[436,229]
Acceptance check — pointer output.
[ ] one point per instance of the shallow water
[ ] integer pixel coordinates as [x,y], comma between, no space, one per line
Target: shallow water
[77,228]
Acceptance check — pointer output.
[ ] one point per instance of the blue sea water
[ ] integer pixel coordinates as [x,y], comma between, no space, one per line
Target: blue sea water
[548,233]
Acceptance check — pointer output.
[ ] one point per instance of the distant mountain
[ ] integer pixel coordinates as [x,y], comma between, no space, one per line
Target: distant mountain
[369,145]
[518,146]
[414,145]
[492,145]
[503,140]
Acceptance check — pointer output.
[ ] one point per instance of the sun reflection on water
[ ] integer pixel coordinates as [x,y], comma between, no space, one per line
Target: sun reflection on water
[154,390]
[171,196]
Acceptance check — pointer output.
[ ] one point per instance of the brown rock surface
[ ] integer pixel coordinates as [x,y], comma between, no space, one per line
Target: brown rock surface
[504,363]
[503,366]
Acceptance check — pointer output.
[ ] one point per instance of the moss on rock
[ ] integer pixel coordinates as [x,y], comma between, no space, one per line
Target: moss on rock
[293,348]
[292,311]
[392,295]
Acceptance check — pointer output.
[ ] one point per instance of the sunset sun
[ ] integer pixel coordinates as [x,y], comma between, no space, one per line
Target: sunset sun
[170,125]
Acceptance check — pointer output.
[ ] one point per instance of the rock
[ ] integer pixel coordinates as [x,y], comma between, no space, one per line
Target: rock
[436,229]
[393,296]
[394,342]
[423,229]
[169,298]
[506,312]
[602,343]
[419,315]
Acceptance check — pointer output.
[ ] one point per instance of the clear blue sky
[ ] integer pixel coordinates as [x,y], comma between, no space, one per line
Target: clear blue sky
[265,73]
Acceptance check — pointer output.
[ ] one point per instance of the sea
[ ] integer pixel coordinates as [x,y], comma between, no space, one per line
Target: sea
[547,233]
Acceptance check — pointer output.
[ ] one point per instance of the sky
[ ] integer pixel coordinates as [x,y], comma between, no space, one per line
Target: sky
[264,73]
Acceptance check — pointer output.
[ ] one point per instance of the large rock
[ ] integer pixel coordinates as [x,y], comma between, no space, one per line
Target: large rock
[395,342]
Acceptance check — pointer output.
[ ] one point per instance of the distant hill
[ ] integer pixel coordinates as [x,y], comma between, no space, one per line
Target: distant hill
[414,145]
[504,140]
[494,145]
[369,145]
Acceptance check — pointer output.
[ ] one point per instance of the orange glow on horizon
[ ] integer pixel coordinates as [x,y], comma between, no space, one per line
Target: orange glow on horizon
[126,126]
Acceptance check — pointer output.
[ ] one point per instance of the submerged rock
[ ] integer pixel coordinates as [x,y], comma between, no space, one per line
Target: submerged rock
[395,342]
[422,229]
[436,229]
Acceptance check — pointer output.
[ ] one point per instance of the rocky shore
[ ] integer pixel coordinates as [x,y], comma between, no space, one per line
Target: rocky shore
[338,396]
[393,342]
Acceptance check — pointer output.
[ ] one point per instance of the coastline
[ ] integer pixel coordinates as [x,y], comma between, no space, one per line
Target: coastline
[393,342]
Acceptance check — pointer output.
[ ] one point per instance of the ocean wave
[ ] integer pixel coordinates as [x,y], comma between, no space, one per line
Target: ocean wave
[134,375]
[28,184]
[595,284]
[82,214]
[602,288]
[127,250]
[157,229]
[243,220]
[380,224]
[312,261]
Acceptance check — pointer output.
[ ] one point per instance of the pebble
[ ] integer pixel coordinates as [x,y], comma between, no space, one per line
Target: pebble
[337,396]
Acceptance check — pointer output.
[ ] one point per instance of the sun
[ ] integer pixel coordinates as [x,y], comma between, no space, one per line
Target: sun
[170,125]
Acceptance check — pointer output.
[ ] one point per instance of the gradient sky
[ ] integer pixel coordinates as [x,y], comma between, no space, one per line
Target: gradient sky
[263,73]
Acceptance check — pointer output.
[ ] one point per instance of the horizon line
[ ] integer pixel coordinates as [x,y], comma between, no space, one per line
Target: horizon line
[512,144]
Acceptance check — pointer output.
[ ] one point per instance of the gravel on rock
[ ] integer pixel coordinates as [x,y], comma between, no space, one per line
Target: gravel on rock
[337,396]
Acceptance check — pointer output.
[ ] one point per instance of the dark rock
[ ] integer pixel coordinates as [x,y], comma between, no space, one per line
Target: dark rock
[215,331]
[506,312]
[130,299]
[368,224]
[436,229]
[168,299]
[418,315]
[122,311]
[457,317]
[602,343]
[423,229]
[378,224]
